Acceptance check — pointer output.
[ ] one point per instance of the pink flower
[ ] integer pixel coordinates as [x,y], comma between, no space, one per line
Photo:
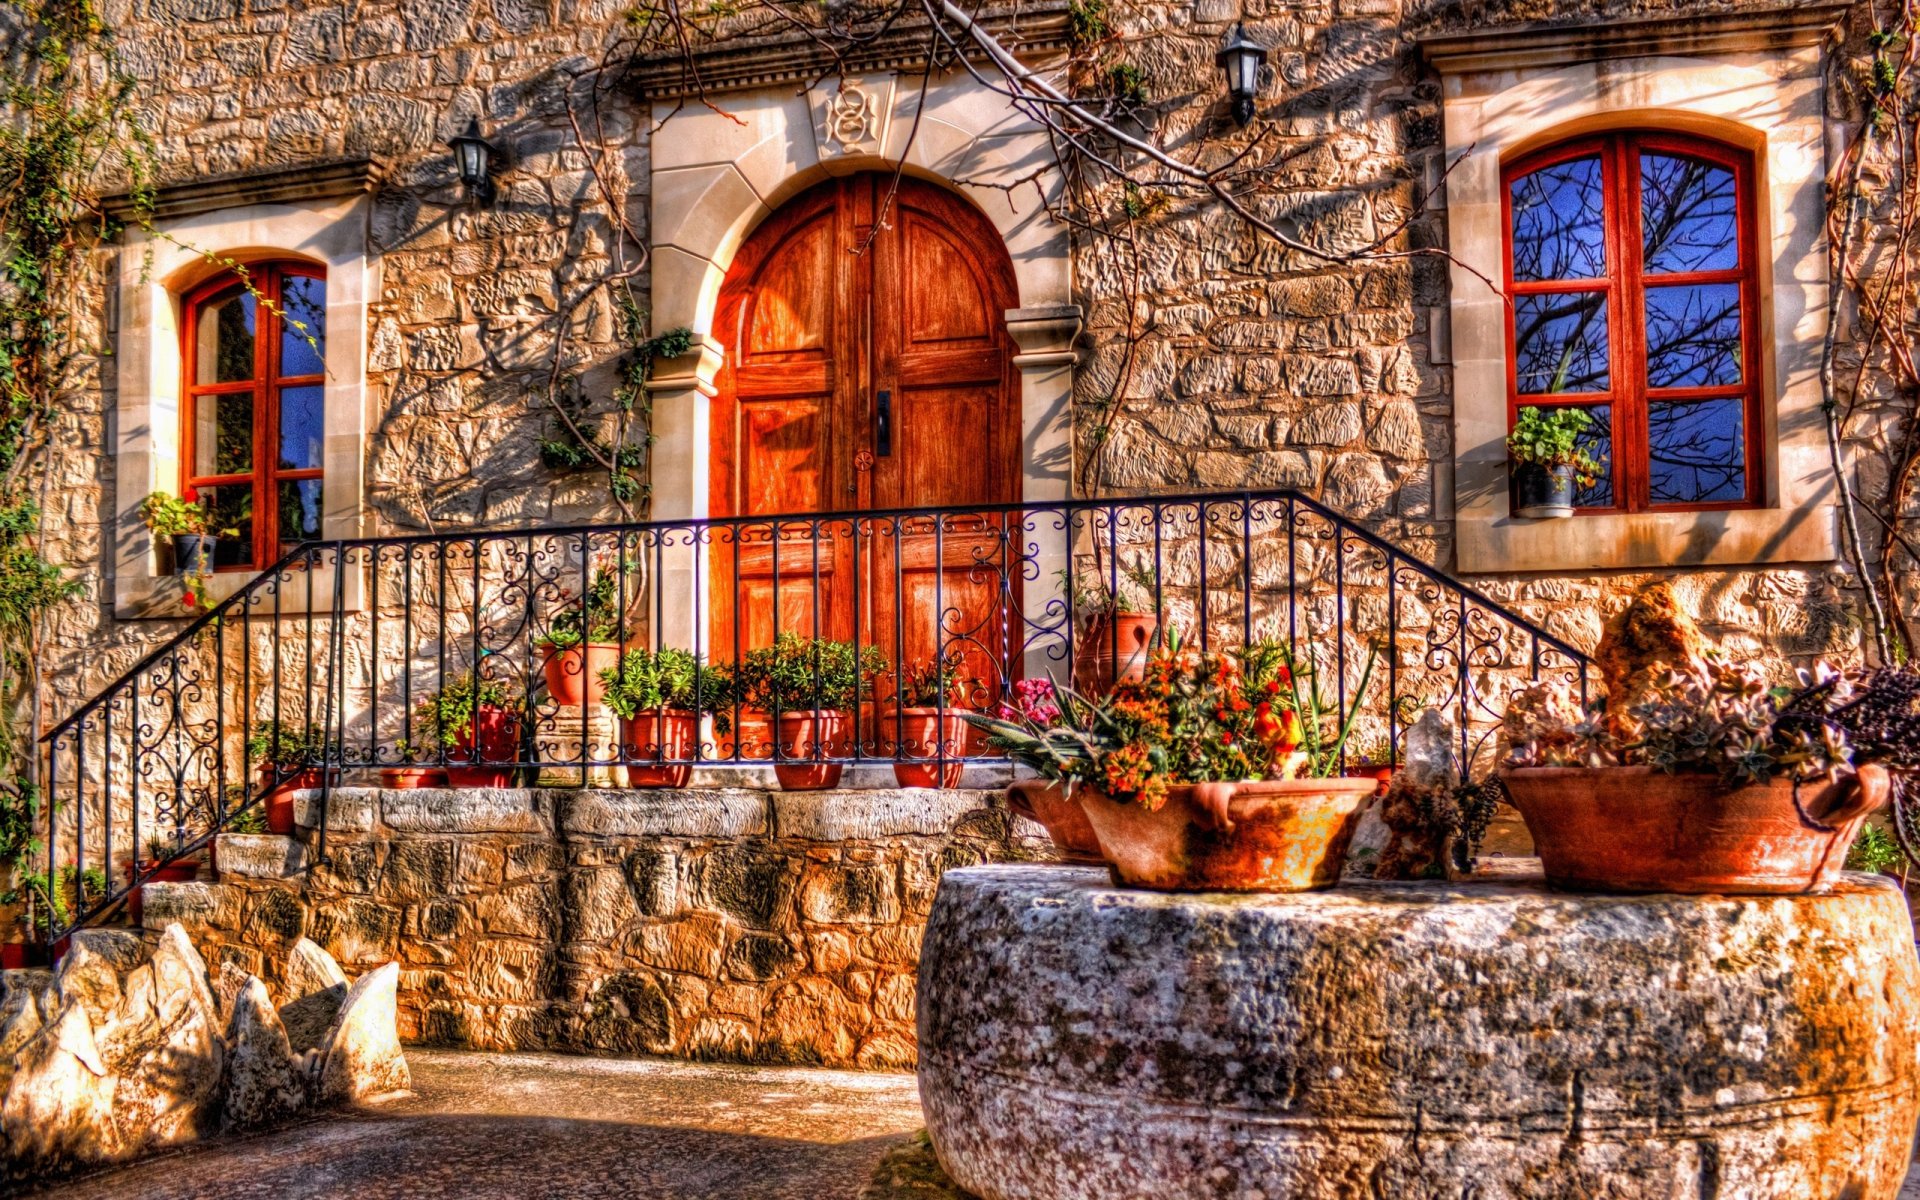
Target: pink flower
[1033,700]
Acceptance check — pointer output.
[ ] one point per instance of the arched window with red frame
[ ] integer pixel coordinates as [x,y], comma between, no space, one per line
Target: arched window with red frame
[254,412]
[1631,271]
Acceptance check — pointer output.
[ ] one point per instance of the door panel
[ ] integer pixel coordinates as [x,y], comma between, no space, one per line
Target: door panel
[837,299]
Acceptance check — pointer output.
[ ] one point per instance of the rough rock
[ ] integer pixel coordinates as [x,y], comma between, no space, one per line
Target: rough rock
[264,1080]
[166,1055]
[308,1019]
[19,1022]
[1649,637]
[361,1056]
[59,1103]
[1499,1040]
[88,979]
[309,969]
[1419,807]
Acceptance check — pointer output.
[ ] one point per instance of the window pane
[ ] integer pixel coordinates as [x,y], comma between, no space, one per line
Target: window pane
[223,434]
[299,511]
[1561,342]
[1696,451]
[1598,442]
[1559,222]
[1693,335]
[303,315]
[300,417]
[232,508]
[224,333]
[1689,218]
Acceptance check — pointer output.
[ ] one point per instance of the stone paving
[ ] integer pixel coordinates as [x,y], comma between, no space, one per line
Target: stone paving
[523,1126]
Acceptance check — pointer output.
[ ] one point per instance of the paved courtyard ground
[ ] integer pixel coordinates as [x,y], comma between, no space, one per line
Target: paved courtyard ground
[533,1126]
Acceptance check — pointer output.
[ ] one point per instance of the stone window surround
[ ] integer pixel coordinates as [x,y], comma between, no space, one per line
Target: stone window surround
[717,175]
[1752,80]
[155,274]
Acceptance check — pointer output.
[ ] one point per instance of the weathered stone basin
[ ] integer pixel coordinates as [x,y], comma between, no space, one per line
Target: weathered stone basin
[1416,1042]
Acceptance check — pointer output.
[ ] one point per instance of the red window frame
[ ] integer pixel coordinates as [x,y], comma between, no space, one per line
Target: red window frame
[1625,283]
[265,385]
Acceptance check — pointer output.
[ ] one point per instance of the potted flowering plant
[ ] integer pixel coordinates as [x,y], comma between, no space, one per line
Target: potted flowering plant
[659,696]
[1191,778]
[415,768]
[1049,802]
[1548,461]
[1710,780]
[582,642]
[189,525]
[1117,617]
[807,686]
[925,721]
[477,721]
[291,758]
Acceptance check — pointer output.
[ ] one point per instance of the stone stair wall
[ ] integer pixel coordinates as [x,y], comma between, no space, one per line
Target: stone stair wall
[716,924]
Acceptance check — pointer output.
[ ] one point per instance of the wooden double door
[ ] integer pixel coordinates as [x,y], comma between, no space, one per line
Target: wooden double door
[868,369]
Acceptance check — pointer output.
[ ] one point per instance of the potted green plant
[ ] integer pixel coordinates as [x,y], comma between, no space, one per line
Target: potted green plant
[926,721]
[659,696]
[1548,461]
[582,642]
[1877,852]
[1116,618]
[189,525]
[1709,780]
[290,758]
[1190,778]
[416,768]
[477,721]
[807,686]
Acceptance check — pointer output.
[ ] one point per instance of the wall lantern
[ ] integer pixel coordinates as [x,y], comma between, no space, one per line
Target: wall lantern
[472,154]
[1241,59]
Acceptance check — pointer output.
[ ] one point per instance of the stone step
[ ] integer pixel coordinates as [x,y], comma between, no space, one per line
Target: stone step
[259,855]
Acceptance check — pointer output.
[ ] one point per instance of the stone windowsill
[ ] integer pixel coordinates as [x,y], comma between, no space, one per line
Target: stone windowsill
[1498,544]
[161,597]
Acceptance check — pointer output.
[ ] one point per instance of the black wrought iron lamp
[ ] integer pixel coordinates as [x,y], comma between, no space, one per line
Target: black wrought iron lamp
[1241,58]
[472,156]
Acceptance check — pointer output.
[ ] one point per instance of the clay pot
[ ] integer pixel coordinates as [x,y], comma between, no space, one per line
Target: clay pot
[1114,646]
[1380,775]
[1047,802]
[413,777]
[672,733]
[278,804]
[494,737]
[1638,829]
[573,674]
[804,735]
[1285,836]
[924,733]
[185,871]
[13,956]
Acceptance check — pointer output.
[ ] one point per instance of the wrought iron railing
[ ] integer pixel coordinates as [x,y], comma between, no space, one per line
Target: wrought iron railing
[349,658]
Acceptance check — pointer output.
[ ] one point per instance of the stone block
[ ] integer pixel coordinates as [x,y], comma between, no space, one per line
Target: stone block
[259,855]
[718,813]
[348,810]
[855,816]
[466,810]
[860,893]
[527,910]
[694,944]
[194,905]
[418,869]
[762,956]
[753,882]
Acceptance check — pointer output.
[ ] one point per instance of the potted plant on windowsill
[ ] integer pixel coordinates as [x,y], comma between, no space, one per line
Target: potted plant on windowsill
[1117,621]
[808,686]
[477,721]
[582,642]
[1709,780]
[1548,462]
[189,525]
[659,696]
[291,758]
[926,721]
[1188,778]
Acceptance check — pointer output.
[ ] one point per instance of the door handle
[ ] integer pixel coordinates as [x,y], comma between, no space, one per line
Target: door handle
[883,422]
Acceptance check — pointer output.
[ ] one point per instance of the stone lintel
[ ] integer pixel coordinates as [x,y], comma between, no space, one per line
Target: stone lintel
[1537,44]
[307,181]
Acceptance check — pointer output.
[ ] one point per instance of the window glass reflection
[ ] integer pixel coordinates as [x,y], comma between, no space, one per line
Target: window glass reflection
[1559,222]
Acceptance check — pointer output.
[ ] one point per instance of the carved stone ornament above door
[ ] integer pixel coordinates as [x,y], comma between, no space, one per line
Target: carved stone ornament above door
[850,114]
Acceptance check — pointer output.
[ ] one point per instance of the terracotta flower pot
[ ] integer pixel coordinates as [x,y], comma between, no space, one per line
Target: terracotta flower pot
[1114,646]
[1284,836]
[13,956]
[413,777]
[278,804]
[573,674]
[1048,803]
[1380,775]
[671,733]
[174,872]
[493,738]
[1638,829]
[805,735]
[924,733]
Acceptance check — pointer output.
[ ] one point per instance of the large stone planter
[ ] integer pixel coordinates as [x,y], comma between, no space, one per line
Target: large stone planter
[1415,1040]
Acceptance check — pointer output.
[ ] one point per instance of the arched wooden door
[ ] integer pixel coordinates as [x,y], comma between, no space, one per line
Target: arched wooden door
[866,370]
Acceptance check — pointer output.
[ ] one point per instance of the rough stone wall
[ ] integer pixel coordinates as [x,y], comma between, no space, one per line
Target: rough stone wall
[730,924]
